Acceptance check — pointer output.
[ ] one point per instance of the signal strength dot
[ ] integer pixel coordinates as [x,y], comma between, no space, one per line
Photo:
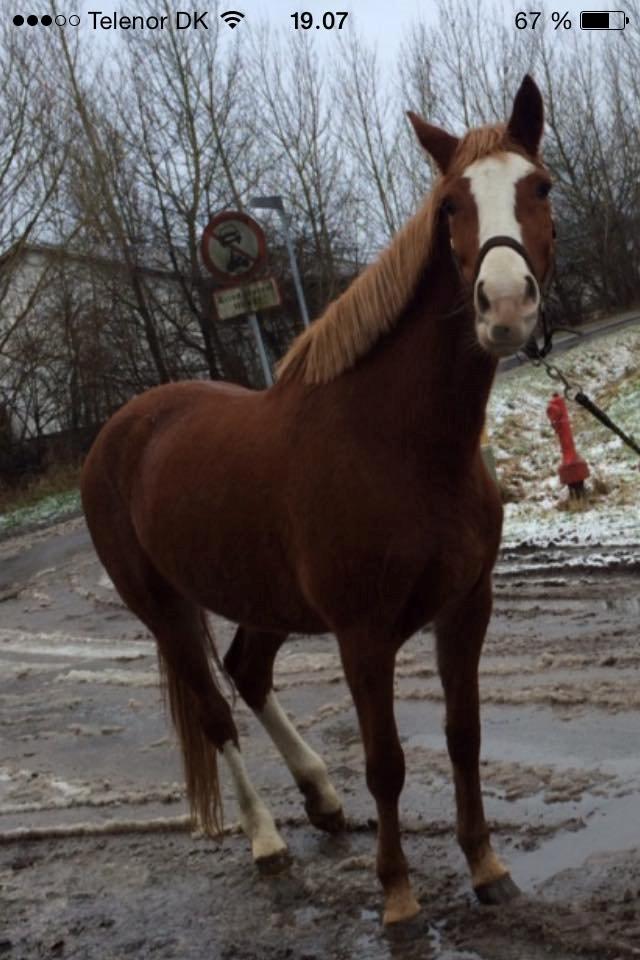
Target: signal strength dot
[232,18]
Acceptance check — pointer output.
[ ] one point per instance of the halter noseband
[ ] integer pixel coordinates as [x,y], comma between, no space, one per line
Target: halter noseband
[500,241]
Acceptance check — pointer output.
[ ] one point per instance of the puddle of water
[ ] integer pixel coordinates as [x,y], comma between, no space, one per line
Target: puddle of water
[532,735]
[440,952]
[369,916]
[303,916]
[628,605]
[419,940]
[612,827]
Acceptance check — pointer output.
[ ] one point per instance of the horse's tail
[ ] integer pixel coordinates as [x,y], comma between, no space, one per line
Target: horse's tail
[202,721]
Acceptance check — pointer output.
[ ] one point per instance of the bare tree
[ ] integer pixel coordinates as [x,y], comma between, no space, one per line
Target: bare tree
[374,129]
[33,150]
[302,134]
[185,130]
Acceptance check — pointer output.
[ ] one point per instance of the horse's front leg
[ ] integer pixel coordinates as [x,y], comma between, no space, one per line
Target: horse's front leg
[460,634]
[369,668]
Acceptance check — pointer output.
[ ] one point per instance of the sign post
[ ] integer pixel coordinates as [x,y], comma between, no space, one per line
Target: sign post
[266,369]
[233,249]
[277,203]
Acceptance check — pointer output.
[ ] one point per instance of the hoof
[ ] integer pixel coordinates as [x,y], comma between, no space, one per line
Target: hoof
[400,907]
[498,891]
[333,822]
[273,863]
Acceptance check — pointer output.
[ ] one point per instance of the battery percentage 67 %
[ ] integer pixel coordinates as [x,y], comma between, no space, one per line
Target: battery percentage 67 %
[525,20]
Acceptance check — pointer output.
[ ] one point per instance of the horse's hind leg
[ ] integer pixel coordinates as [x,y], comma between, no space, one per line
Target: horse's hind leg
[249,662]
[181,647]
[460,634]
[201,715]
[268,849]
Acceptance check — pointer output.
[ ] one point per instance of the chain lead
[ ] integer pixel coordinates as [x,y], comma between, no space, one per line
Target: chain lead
[555,373]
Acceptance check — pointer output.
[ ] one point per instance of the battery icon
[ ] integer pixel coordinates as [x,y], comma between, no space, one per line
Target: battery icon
[603,20]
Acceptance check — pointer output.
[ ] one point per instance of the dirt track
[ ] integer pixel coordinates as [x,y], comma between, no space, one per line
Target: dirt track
[84,741]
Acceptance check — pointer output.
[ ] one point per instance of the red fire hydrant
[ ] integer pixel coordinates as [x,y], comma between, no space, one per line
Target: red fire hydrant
[573,470]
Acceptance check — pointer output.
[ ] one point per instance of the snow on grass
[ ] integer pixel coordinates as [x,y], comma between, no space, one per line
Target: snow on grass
[49,510]
[527,452]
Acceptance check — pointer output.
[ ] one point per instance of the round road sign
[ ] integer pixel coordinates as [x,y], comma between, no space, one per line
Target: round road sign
[233,246]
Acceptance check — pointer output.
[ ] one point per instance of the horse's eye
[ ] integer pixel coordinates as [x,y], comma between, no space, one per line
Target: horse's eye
[448,206]
[543,189]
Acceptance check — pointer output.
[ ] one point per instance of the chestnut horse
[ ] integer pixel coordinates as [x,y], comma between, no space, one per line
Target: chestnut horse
[350,497]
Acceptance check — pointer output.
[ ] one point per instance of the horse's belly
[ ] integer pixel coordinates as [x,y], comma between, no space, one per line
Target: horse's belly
[230,569]
[263,598]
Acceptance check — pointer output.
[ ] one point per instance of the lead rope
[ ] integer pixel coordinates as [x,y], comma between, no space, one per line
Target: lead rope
[579,396]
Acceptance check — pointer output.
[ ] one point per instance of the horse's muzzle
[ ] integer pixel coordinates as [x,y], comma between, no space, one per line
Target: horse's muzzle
[507,300]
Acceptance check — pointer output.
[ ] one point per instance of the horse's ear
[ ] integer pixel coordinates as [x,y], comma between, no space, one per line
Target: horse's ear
[438,143]
[527,117]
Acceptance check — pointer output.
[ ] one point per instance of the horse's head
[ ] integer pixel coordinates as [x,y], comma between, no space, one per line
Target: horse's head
[494,202]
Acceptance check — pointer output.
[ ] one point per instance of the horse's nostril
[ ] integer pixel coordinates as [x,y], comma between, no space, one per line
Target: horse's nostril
[483,300]
[531,290]
[500,332]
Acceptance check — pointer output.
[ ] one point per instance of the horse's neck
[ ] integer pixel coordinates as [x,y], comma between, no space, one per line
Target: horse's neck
[433,378]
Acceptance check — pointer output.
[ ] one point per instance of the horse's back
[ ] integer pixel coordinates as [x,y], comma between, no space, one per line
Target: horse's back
[161,409]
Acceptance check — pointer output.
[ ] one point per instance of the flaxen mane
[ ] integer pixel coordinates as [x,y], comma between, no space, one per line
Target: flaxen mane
[375,300]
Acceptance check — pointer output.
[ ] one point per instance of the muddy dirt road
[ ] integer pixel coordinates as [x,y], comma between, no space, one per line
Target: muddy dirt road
[84,741]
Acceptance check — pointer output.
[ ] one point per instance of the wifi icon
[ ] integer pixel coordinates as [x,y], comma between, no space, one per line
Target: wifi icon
[232,18]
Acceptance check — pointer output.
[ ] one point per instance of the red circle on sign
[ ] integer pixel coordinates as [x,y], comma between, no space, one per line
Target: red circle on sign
[222,248]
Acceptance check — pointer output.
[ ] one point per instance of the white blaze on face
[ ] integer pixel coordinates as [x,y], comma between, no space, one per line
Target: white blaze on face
[503,271]
[493,185]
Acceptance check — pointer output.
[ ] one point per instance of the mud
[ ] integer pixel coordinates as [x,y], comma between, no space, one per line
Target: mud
[96,855]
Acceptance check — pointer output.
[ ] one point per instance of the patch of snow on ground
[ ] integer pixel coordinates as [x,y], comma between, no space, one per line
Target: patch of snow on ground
[46,511]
